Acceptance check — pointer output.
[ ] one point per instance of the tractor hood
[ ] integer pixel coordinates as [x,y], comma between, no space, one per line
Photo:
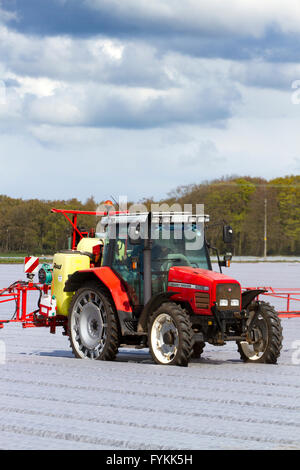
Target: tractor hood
[203,289]
[185,275]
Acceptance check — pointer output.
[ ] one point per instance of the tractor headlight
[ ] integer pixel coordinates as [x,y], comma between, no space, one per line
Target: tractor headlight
[235,302]
[223,303]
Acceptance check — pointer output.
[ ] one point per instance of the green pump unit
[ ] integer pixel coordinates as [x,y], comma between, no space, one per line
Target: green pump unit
[46,274]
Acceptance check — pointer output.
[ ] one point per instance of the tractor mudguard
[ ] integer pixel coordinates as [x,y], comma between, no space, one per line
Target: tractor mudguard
[249,295]
[113,284]
[150,307]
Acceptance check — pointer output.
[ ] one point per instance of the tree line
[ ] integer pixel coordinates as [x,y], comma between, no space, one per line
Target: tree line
[29,226]
[240,201]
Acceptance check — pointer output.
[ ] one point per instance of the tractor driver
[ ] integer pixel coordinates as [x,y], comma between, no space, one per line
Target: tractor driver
[159,257]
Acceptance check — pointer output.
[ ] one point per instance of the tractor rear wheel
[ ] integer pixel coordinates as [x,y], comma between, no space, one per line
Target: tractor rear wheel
[265,335]
[92,324]
[170,335]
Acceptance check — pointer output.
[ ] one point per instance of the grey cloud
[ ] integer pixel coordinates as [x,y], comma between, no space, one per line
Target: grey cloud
[207,29]
[101,107]
[11,83]
[265,74]
[156,17]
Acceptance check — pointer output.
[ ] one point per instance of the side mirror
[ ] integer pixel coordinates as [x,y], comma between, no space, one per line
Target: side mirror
[227,234]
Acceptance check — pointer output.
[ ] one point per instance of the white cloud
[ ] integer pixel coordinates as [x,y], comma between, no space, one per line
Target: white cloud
[6,16]
[81,60]
[106,83]
[114,50]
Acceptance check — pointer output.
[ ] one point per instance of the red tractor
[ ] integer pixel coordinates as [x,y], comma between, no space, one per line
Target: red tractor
[150,283]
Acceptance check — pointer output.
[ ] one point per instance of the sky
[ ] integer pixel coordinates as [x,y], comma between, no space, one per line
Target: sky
[138,97]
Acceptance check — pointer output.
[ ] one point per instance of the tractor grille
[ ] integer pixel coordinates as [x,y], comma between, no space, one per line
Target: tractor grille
[228,292]
[202,300]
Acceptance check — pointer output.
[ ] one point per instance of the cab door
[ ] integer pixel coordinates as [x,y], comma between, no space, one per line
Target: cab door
[127,261]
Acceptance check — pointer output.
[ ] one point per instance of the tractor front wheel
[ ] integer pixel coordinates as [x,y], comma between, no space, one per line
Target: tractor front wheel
[264,335]
[92,324]
[170,335]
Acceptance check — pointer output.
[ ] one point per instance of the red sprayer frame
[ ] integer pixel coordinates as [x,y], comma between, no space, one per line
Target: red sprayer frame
[18,292]
[287,294]
[75,214]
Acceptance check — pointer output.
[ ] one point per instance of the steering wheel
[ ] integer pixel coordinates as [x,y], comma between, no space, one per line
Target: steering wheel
[175,257]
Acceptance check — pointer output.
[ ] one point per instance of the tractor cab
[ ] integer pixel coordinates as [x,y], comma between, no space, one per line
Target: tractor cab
[143,246]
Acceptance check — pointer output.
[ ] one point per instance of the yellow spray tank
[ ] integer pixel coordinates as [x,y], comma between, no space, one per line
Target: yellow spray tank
[65,264]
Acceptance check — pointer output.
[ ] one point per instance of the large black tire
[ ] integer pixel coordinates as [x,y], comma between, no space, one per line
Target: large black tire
[267,330]
[92,324]
[198,349]
[170,335]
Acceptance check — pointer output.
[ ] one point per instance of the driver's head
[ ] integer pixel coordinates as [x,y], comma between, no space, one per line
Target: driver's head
[160,251]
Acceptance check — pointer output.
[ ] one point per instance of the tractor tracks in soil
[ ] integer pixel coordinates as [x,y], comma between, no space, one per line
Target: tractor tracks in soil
[255,371]
[204,383]
[121,444]
[114,444]
[158,395]
[136,409]
[103,442]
